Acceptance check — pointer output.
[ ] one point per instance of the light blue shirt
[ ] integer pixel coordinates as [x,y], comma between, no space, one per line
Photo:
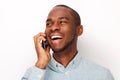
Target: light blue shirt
[78,69]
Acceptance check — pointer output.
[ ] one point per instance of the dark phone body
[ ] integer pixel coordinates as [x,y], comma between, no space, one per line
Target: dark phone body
[45,44]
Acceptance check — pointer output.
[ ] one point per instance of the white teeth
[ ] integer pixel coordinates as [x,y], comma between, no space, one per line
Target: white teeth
[53,37]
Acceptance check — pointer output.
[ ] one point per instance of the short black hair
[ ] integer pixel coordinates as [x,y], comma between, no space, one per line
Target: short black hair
[74,13]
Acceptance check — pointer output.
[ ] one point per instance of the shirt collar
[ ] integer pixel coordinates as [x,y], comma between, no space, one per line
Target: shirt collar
[54,65]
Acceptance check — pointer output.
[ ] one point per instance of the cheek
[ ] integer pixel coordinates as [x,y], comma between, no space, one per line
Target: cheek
[69,34]
[71,31]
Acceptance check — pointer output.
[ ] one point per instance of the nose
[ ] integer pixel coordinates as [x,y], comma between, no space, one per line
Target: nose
[55,27]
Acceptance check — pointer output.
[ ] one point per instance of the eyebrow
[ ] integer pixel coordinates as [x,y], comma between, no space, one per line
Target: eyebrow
[49,19]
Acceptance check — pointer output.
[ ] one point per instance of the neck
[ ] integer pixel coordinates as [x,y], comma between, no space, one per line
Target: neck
[66,56]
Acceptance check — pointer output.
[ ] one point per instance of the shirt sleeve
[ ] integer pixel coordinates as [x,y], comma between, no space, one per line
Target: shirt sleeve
[33,73]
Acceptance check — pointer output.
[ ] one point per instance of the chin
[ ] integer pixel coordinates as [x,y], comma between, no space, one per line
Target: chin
[58,49]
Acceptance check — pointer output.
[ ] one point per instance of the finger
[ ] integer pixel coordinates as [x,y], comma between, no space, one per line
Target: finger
[48,50]
[38,37]
[41,34]
[39,41]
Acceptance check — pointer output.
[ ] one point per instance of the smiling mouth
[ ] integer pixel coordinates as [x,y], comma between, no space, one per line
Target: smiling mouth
[56,37]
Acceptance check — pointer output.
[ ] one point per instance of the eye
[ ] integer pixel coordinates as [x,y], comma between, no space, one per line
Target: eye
[48,24]
[63,22]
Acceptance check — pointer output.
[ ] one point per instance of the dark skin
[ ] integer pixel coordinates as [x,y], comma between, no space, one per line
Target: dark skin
[60,24]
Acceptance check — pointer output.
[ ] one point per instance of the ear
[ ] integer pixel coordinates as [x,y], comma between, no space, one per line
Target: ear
[79,30]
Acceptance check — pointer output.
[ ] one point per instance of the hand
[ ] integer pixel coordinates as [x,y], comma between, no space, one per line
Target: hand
[43,55]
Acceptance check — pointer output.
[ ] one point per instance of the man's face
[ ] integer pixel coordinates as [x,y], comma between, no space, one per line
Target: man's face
[60,29]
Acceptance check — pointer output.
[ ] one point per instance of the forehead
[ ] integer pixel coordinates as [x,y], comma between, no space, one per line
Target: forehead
[57,12]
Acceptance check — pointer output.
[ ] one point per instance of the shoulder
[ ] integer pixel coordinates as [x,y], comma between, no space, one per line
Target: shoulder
[91,68]
[91,65]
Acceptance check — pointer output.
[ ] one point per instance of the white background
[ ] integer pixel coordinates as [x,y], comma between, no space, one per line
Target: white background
[20,20]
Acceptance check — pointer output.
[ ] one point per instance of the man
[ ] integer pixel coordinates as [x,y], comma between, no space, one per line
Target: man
[63,26]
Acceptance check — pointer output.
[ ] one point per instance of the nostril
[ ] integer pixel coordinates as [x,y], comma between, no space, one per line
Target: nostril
[54,29]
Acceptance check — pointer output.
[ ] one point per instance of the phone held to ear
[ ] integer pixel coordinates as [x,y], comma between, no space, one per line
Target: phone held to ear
[45,44]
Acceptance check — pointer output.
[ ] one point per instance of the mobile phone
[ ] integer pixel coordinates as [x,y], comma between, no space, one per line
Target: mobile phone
[45,44]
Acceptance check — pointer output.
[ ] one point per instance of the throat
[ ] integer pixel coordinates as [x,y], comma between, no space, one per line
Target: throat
[64,59]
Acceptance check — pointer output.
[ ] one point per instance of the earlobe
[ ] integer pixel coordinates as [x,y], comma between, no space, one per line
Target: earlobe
[80,30]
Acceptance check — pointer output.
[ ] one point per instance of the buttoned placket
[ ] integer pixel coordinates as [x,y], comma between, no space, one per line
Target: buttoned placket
[65,71]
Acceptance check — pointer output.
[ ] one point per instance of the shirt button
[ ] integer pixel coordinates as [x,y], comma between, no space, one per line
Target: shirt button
[56,65]
[39,76]
[66,73]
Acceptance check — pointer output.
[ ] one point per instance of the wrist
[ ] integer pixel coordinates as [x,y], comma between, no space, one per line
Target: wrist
[40,65]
